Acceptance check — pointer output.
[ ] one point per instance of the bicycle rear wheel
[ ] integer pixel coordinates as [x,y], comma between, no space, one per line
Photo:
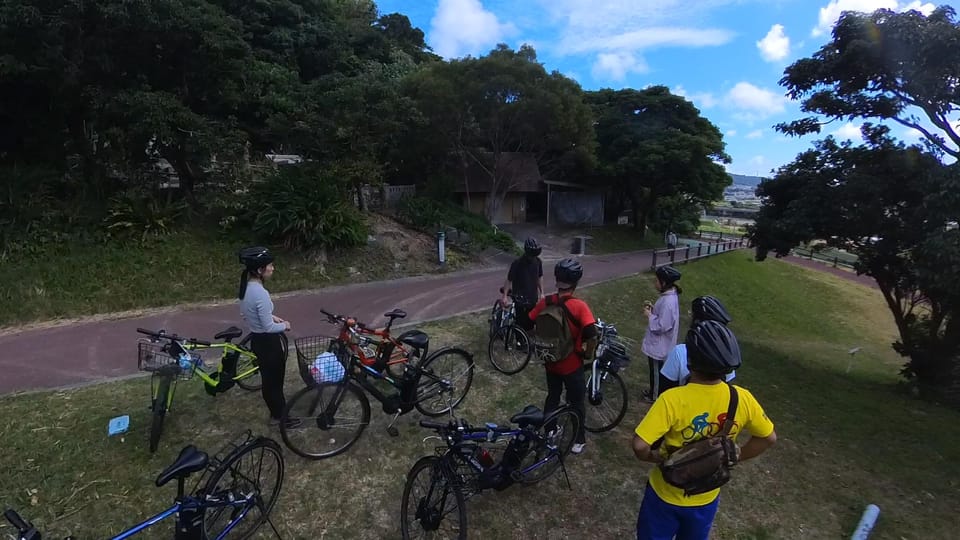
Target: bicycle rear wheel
[255,469]
[245,363]
[611,402]
[444,382]
[557,435]
[433,506]
[509,350]
[332,417]
[161,385]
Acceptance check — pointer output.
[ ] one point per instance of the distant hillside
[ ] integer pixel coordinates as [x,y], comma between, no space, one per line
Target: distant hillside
[745,180]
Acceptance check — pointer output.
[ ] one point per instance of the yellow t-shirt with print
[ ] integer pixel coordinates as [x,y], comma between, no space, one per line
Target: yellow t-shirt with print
[692,412]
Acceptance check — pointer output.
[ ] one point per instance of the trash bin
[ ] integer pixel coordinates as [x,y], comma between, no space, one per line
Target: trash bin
[579,245]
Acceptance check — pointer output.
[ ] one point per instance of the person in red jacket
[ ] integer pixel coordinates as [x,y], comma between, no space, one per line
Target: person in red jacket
[568,373]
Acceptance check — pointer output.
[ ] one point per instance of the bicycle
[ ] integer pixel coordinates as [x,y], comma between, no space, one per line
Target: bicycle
[507,337]
[606,402]
[464,466]
[170,358]
[357,358]
[198,514]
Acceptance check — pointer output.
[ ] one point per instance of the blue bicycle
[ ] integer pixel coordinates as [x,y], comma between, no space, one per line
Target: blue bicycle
[437,487]
[232,502]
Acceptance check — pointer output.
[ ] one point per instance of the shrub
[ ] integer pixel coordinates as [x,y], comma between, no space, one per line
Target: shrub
[429,215]
[143,217]
[301,208]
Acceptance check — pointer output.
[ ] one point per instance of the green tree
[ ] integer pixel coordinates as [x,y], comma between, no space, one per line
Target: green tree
[884,65]
[655,147]
[891,206]
[483,108]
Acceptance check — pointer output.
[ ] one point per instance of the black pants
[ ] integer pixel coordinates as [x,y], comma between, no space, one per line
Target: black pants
[271,351]
[655,366]
[523,316]
[576,387]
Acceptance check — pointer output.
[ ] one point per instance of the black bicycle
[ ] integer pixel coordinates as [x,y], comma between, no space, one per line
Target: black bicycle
[438,486]
[231,502]
[606,402]
[509,346]
[338,370]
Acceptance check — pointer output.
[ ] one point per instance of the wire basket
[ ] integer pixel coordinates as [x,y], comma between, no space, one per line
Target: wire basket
[313,366]
[153,356]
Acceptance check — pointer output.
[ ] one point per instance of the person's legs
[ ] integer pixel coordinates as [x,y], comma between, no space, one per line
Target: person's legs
[654,372]
[657,520]
[576,387]
[523,317]
[554,389]
[696,521]
[271,357]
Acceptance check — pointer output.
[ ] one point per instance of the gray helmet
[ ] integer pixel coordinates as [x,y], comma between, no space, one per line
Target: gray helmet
[708,308]
[568,271]
[668,275]
[712,348]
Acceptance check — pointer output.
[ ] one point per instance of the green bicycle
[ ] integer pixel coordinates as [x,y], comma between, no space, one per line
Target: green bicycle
[171,358]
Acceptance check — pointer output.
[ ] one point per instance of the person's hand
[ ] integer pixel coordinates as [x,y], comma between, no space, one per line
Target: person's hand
[503,301]
[647,310]
[277,319]
[286,325]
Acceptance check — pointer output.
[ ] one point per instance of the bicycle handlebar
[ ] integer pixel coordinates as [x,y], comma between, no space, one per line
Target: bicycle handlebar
[336,319]
[162,334]
[24,529]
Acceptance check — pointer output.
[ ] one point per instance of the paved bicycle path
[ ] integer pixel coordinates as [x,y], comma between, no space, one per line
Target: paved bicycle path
[89,351]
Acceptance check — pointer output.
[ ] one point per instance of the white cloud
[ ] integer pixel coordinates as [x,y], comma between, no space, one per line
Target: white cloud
[755,134]
[731,133]
[703,100]
[911,135]
[775,46]
[755,101]
[615,66]
[830,13]
[648,38]
[848,131]
[462,27]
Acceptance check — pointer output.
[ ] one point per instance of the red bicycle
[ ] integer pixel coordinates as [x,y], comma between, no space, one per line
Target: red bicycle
[338,370]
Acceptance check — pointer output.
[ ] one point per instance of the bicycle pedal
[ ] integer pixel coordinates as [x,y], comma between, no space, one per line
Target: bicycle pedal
[393,431]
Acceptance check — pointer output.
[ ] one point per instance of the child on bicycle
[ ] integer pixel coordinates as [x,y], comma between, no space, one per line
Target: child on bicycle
[567,373]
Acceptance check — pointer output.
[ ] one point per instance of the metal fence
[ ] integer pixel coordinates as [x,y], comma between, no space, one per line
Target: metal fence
[662,257]
[818,256]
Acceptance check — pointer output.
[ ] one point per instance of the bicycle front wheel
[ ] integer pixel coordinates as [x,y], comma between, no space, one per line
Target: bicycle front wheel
[248,369]
[509,350]
[444,382]
[433,505]
[162,388]
[253,473]
[556,438]
[325,420]
[606,407]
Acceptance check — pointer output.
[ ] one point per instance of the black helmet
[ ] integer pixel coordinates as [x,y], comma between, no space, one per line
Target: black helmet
[531,247]
[568,271]
[712,348]
[708,308]
[255,257]
[668,274]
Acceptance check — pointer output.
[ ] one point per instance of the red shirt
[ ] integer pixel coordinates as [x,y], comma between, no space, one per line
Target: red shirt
[582,317]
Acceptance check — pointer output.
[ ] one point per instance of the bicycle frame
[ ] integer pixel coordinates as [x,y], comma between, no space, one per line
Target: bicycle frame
[227,349]
[188,530]
[512,434]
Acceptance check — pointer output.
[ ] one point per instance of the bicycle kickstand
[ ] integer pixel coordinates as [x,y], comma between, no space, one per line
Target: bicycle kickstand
[391,429]
[563,468]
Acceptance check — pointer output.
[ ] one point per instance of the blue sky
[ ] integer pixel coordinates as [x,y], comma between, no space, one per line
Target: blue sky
[726,56]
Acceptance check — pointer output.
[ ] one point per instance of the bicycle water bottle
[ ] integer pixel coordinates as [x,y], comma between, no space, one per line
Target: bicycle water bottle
[186,363]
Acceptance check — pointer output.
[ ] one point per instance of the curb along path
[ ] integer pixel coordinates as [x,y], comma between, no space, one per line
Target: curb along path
[47,358]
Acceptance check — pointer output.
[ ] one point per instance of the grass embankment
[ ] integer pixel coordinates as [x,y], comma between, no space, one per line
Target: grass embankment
[846,438]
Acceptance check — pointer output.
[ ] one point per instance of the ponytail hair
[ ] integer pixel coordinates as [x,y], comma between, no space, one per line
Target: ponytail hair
[244,278]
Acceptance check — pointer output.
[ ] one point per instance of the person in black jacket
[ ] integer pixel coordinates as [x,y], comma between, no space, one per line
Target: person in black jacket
[525,281]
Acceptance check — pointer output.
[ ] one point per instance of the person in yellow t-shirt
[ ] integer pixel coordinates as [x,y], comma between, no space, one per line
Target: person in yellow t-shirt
[689,413]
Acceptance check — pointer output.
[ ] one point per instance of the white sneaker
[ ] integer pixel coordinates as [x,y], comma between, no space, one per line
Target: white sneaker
[578,448]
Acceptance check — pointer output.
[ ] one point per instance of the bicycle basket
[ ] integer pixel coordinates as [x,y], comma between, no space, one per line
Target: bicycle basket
[317,360]
[153,357]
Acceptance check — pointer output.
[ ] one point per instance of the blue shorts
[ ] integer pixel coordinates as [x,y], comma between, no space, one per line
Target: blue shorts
[659,520]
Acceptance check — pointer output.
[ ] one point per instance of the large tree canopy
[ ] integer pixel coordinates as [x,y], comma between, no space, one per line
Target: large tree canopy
[893,207]
[884,65]
[654,146]
[503,102]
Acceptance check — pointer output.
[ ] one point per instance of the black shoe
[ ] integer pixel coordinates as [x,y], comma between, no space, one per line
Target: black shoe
[292,423]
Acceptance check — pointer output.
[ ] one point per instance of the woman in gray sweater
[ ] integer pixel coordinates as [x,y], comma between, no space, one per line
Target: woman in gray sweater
[267,331]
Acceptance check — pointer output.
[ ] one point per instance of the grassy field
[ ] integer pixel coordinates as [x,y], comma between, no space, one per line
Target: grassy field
[191,266]
[848,436]
[621,238]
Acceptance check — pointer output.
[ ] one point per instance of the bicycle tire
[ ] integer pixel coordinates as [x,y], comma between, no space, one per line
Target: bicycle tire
[500,337]
[322,423]
[265,505]
[158,409]
[425,380]
[611,384]
[436,467]
[253,381]
[564,445]
[496,315]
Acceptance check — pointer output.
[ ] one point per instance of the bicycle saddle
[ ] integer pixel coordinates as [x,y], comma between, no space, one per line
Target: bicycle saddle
[189,461]
[529,416]
[396,314]
[230,333]
[415,338]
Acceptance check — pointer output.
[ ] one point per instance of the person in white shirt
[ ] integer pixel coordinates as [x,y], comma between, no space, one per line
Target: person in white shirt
[675,371]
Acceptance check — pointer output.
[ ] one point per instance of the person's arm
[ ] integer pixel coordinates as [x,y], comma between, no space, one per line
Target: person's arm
[661,318]
[655,424]
[265,315]
[644,452]
[757,445]
[540,280]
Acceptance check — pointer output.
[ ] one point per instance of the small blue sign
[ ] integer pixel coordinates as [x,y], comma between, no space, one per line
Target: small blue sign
[118,425]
